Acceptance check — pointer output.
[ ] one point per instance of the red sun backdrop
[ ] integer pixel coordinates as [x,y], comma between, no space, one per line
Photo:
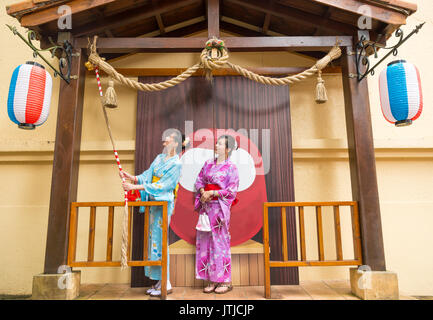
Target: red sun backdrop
[247,215]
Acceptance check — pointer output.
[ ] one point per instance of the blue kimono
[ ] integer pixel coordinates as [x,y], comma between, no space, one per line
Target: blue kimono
[159,182]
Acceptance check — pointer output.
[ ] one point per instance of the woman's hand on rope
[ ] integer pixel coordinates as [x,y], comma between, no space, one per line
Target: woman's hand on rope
[129,186]
[126,175]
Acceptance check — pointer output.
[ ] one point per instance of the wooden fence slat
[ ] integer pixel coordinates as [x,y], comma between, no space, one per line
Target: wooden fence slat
[312,263]
[81,264]
[267,268]
[129,233]
[302,234]
[164,252]
[119,204]
[356,233]
[310,204]
[146,234]
[91,245]
[73,226]
[337,227]
[320,233]
[110,229]
[284,233]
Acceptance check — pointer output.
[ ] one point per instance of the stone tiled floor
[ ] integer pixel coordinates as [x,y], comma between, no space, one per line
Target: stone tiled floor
[307,290]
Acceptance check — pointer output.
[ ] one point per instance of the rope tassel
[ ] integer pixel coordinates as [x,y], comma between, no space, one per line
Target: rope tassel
[110,100]
[321,95]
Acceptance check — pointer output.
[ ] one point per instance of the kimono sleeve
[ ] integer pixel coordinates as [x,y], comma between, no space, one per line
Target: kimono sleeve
[199,183]
[146,177]
[167,183]
[228,194]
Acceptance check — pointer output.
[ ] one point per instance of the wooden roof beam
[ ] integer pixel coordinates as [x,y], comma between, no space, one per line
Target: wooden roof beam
[239,30]
[131,17]
[159,19]
[326,15]
[213,18]
[266,23]
[17,10]
[395,4]
[50,14]
[267,19]
[245,29]
[298,16]
[381,14]
[100,18]
[119,45]
[160,24]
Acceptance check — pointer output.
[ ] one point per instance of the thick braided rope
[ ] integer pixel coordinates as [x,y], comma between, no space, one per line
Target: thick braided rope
[270,80]
[209,64]
[125,231]
[107,68]
[213,63]
[322,63]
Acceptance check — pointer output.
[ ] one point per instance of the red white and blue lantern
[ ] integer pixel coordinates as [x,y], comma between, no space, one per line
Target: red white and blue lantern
[400,93]
[29,95]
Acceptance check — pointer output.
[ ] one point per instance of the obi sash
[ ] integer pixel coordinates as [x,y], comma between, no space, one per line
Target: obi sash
[210,187]
[156,179]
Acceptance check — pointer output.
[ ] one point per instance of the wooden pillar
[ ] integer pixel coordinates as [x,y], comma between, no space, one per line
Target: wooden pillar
[362,163]
[65,165]
[213,18]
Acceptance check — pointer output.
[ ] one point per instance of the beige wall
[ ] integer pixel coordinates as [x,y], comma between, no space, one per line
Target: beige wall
[404,164]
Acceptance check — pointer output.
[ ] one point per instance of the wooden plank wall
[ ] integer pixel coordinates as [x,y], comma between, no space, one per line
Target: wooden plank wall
[247,270]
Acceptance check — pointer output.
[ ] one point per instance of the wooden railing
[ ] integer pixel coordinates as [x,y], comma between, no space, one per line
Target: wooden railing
[302,244]
[108,262]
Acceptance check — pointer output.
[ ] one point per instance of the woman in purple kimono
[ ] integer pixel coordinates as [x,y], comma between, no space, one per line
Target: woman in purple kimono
[216,185]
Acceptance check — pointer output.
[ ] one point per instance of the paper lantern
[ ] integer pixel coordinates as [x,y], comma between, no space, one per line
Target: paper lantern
[29,95]
[400,93]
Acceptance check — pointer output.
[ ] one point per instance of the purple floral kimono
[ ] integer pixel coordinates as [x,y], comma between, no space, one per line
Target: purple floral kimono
[213,257]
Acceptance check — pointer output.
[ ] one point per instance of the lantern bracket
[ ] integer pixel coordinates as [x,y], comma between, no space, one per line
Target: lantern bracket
[363,45]
[63,52]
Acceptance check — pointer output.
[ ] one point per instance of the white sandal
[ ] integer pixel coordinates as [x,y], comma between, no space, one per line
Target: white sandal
[149,291]
[157,293]
[155,287]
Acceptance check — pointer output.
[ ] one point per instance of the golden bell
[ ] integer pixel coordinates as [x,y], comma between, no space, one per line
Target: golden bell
[89,66]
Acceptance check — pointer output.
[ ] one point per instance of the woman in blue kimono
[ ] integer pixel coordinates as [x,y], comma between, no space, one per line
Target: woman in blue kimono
[158,183]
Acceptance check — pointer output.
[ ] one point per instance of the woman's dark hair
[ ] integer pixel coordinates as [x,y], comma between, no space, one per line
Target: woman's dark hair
[230,143]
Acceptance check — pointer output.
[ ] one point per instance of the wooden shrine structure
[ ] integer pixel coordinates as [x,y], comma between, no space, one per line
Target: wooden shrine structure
[309,27]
